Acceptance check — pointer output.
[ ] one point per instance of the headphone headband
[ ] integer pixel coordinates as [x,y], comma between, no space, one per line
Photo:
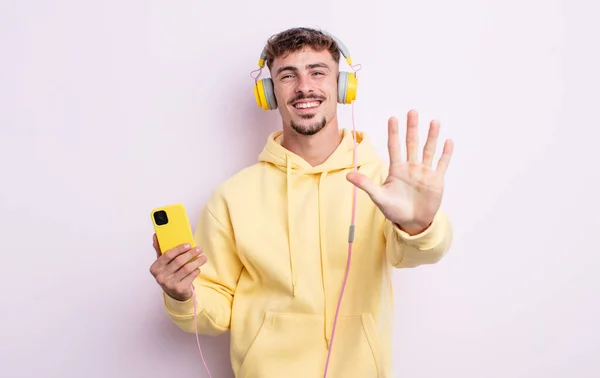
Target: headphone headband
[341,47]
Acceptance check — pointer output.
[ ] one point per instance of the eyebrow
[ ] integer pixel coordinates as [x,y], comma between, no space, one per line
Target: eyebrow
[308,67]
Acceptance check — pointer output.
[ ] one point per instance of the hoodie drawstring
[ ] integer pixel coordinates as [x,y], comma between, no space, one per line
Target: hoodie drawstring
[324,266]
[288,162]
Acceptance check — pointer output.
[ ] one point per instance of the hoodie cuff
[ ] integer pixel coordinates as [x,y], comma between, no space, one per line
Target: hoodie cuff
[427,239]
[180,308]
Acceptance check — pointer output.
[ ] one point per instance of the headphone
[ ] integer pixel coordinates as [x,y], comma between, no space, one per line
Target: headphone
[347,82]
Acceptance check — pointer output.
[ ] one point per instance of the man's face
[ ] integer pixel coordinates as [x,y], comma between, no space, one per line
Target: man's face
[305,85]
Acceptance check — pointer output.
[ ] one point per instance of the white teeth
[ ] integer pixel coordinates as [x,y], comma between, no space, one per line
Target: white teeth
[306,105]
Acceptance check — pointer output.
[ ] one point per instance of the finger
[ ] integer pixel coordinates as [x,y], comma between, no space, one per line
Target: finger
[444,161]
[430,144]
[192,268]
[364,183]
[394,148]
[412,136]
[188,281]
[173,253]
[183,259]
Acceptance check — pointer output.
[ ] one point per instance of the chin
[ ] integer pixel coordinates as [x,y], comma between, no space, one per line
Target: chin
[307,116]
[308,126]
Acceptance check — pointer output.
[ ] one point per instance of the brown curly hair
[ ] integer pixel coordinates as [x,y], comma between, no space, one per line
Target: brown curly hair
[295,39]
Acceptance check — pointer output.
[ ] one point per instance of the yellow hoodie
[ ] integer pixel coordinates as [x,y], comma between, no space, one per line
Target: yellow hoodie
[276,238]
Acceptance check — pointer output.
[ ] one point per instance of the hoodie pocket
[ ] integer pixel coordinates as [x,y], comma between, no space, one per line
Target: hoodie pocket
[294,346]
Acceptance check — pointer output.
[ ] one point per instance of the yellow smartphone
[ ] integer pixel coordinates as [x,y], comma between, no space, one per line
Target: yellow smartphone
[172,227]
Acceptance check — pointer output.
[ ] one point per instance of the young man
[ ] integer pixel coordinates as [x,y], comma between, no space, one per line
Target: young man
[274,238]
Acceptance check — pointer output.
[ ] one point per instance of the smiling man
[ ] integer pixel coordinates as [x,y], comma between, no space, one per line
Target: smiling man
[304,65]
[274,238]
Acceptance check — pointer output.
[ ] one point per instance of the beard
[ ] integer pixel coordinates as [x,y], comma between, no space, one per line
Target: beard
[310,128]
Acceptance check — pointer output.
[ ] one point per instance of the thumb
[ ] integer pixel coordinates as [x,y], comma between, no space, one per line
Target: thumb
[364,183]
[156,246]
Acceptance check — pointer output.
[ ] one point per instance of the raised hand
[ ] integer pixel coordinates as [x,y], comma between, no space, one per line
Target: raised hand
[174,271]
[412,193]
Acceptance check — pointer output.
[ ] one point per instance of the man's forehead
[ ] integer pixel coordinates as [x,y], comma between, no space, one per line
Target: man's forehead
[304,58]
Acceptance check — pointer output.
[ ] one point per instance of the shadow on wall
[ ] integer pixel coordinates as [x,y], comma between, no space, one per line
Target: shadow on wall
[243,134]
[249,122]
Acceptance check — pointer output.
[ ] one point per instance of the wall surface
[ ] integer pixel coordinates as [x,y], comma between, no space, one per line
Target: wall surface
[100,99]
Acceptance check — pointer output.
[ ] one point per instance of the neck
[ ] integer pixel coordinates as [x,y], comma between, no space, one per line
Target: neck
[314,149]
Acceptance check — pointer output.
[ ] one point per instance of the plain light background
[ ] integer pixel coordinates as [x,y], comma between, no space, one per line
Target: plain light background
[108,109]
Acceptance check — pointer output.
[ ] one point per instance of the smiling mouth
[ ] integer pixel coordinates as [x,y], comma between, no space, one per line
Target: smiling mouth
[307,105]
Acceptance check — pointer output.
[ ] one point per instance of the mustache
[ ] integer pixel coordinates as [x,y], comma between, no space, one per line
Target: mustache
[306,97]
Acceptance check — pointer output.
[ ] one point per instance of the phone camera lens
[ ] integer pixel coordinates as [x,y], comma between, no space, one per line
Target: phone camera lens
[160,217]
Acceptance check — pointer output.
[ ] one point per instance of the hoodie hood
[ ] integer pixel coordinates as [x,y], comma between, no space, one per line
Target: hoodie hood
[296,168]
[342,158]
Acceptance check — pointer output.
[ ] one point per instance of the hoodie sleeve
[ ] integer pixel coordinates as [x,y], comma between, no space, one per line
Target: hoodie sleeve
[216,283]
[428,247]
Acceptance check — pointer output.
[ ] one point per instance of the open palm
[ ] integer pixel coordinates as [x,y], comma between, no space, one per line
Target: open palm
[412,193]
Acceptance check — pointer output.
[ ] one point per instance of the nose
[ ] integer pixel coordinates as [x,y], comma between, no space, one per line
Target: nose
[303,84]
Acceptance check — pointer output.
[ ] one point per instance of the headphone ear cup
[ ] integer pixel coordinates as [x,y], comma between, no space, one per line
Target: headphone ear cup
[347,86]
[270,93]
[265,95]
[342,87]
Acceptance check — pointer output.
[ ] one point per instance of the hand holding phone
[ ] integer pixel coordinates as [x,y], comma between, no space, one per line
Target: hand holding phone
[178,258]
